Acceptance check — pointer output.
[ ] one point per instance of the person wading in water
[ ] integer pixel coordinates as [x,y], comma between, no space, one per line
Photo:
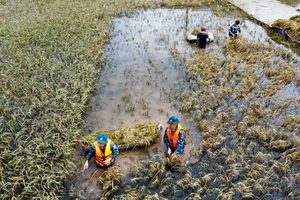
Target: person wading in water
[104,150]
[174,137]
[202,38]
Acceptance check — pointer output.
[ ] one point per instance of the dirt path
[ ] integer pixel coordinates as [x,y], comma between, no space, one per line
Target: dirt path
[266,11]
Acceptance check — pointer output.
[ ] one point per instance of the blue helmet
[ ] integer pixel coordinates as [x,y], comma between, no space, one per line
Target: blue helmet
[173,120]
[101,138]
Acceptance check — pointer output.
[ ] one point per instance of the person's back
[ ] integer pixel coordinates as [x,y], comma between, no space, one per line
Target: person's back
[202,38]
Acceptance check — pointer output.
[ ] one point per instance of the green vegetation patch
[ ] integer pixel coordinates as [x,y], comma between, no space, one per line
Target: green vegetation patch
[131,137]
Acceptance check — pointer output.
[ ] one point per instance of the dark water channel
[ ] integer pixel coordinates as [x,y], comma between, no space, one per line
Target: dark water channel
[139,79]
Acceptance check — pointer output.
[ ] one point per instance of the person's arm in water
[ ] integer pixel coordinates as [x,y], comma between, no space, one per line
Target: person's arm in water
[89,156]
[181,142]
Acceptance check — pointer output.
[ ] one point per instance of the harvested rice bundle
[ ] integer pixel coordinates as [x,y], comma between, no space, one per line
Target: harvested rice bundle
[291,26]
[128,138]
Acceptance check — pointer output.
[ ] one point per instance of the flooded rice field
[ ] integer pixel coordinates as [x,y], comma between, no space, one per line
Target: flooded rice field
[144,76]
[141,73]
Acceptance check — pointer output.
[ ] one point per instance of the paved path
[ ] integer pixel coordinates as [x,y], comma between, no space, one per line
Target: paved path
[266,11]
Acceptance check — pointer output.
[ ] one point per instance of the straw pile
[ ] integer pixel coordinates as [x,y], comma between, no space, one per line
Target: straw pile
[196,31]
[128,138]
[291,26]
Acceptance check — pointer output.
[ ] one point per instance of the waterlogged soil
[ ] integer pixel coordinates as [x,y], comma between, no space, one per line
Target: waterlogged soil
[141,77]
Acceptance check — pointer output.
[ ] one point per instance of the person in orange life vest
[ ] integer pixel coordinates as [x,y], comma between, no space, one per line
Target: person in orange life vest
[104,150]
[174,138]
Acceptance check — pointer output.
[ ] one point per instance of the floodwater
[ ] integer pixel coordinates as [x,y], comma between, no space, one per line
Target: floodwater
[140,78]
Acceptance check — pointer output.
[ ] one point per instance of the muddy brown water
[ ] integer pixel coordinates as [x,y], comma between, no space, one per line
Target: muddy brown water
[140,76]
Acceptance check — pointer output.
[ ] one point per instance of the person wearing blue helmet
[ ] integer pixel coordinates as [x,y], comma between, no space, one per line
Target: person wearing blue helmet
[174,137]
[104,150]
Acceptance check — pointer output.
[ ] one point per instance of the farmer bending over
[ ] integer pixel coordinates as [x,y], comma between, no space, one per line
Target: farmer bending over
[104,150]
[235,29]
[174,138]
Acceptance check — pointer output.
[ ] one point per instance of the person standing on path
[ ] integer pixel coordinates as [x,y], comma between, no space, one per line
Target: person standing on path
[235,29]
[202,38]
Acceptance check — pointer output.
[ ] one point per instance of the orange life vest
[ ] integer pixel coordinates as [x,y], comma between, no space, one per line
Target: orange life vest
[100,157]
[173,138]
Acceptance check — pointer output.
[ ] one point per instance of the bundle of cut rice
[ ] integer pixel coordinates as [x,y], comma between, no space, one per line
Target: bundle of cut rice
[192,37]
[291,26]
[128,138]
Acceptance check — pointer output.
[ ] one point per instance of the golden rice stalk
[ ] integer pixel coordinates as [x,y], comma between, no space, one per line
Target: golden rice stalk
[154,184]
[294,157]
[280,145]
[164,191]
[152,197]
[206,178]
